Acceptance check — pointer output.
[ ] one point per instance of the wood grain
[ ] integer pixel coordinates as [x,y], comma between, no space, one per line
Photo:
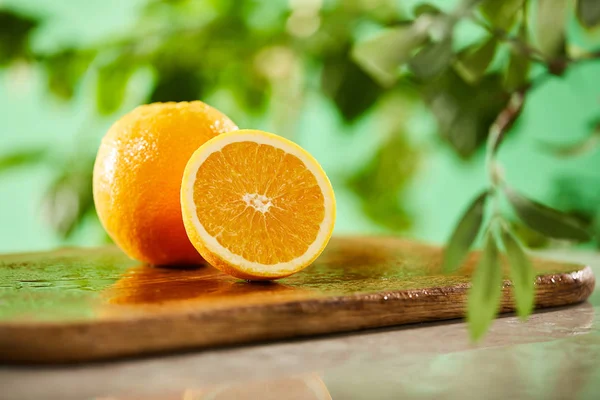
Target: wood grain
[89,304]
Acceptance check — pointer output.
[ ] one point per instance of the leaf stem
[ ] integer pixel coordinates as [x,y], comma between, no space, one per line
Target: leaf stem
[502,35]
[498,129]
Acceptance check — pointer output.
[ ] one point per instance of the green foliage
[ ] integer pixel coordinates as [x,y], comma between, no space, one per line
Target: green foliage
[502,14]
[69,198]
[15,30]
[381,183]
[471,105]
[112,83]
[517,69]
[521,274]
[579,148]
[382,55]
[464,234]
[65,69]
[588,12]
[426,8]
[472,62]
[550,27]
[20,158]
[342,79]
[432,59]
[177,84]
[580,196]
[486,290]
[529,237]
[465,112]
[546,220]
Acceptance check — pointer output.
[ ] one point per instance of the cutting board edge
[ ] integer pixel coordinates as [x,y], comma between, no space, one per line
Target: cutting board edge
[79,341]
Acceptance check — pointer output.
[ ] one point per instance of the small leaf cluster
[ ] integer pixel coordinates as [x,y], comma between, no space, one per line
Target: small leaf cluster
[484,296]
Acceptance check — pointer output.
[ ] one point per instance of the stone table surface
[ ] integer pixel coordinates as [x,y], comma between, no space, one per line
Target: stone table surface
[554,355]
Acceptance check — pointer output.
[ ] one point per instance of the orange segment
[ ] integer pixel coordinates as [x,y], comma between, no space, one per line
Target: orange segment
[256,205]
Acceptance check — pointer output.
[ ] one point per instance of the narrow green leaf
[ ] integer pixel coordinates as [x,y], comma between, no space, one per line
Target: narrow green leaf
[588,144]
[15,30]
[551,18]
[385,178]
[521,274]
[464,112]
[352,90]
[517,71]
[464,234]
[21,158]
[596,228]
[588,13]
[472,62]
[546,220]
[432,59]
[530,238]
[501,13]
[177,84]
[382,55]
[486,290]
[426,8]
[69,198]
[65,69]
[111,85]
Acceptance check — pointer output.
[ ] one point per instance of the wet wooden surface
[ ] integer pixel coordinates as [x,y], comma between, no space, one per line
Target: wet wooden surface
[77,305]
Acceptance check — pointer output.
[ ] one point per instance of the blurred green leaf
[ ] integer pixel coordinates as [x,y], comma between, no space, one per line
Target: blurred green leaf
[22,158]
[352,90]
[14,35]
[381,56]
[588,13]
[432,59]
[426,8]
[251,91]
[69,198]
[521,273]
[546,220]
[484,296]
[529,237]
[588,144]
[517,70]
[595,225]
[501,13]
[577,193]
[472,62]
[465,112]
[177,84]
[550,26]
[112,84]
[381,183]
[65,70]
[464,234]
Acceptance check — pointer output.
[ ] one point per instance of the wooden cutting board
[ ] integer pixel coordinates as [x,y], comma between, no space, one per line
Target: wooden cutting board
[88,304]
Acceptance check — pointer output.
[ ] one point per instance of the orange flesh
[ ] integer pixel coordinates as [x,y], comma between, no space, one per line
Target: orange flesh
[259,202]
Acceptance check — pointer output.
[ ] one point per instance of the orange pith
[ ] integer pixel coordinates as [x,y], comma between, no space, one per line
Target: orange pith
[259,202]
[137,177]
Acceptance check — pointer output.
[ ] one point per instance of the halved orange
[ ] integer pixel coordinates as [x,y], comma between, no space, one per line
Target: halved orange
[256,206]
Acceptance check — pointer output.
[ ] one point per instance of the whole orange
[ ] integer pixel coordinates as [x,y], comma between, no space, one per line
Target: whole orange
[137,177]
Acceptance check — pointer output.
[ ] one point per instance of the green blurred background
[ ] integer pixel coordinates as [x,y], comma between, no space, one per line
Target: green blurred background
[68,69]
